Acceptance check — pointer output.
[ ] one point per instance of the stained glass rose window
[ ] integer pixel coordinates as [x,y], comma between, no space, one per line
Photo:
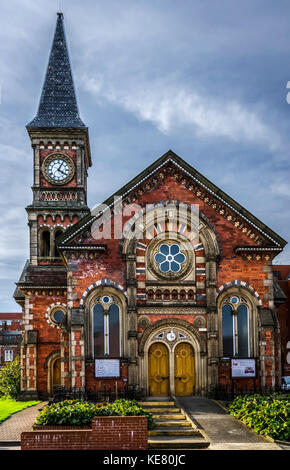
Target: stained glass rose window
[169,258]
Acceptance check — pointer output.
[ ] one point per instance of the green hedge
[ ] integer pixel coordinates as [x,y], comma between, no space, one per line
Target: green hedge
[267,415]
[81,413]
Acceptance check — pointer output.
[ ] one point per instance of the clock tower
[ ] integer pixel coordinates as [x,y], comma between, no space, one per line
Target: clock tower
[61,150]
[61,156]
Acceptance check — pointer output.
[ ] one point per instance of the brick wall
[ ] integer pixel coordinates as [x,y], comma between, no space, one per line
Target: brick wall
[112,265]
[107,433]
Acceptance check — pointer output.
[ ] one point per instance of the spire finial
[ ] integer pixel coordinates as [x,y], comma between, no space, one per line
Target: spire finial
[59,13]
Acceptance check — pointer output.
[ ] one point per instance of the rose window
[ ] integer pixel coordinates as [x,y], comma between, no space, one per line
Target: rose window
[169,258]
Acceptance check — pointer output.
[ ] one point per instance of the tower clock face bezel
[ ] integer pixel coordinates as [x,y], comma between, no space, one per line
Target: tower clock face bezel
[58,168]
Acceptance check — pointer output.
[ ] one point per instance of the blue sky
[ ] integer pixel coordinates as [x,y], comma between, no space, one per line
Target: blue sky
[204,78]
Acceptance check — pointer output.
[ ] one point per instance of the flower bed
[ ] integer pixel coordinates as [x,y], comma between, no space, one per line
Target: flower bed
[81,413]
[267,415]
[79,425]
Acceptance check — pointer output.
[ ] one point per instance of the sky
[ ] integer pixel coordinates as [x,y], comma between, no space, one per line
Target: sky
[205,78]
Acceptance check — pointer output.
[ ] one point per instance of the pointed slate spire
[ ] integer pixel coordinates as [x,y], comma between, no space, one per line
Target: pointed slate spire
[58,104]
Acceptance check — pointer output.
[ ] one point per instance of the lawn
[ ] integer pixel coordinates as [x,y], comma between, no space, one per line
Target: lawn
[8,406]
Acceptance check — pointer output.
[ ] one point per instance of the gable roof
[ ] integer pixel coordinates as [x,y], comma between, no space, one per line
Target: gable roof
[202,187]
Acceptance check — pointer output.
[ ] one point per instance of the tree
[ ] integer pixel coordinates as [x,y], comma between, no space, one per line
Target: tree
[10,378]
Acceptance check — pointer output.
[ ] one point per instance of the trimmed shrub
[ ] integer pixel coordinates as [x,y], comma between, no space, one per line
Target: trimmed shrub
[81,413]
[267,415]
[10,378]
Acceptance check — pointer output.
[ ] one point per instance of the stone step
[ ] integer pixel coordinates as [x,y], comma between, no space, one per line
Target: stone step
[165,409]
[156,403]
[179,442]
[174,431]
[165,416]
[172,422]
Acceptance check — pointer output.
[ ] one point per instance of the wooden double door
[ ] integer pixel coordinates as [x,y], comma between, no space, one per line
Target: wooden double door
[167,371]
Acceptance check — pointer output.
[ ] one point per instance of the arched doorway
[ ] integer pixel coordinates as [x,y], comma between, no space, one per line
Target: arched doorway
[56,373]
[158,370]
[184,370]
[177,336]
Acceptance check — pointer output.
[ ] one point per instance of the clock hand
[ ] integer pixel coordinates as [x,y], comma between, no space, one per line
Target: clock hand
[61,171]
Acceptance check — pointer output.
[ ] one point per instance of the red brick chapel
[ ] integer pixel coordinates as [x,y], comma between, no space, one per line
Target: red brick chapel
[143,291]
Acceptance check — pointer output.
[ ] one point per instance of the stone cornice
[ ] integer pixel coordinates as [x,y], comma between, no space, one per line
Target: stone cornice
[170,310]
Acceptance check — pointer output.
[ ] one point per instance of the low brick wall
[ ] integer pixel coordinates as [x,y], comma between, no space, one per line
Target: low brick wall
[107,433]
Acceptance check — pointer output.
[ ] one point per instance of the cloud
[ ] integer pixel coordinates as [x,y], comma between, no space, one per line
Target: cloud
[13,234]
[280,187]
[173,107]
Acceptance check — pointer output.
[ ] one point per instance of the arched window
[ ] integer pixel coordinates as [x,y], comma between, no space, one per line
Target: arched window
[166,295]
[182,295]
[45,244]
[106,327]
[190,295]
[158,295]
[174,295]
[235,327]
[150,295]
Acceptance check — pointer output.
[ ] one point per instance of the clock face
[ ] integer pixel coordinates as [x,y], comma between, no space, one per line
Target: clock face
[171,336]
[58,168]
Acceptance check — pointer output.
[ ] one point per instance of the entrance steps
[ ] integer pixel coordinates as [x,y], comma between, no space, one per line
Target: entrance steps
[172,427]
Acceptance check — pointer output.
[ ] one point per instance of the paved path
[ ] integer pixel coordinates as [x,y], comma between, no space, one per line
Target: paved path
[223,430]
[12,427]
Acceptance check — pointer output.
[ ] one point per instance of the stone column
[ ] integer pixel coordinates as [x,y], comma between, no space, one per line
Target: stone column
[212,322]
[36,164]
[29,366]
[32,223]
[75,354]
[77,357]
[132,350]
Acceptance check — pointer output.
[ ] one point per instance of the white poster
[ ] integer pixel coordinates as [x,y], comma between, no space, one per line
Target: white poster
[242,368]
[107,368]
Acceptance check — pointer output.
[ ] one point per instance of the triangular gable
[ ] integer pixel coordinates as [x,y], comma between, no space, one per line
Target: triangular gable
[201,186]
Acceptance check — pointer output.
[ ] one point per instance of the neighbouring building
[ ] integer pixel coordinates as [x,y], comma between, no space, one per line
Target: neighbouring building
[166,288]
[282,295]
[10,336]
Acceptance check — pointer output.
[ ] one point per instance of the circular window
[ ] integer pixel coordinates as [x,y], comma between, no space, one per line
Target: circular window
[106,299]
[170,258]
[55,314]
[58,316]
[235,300]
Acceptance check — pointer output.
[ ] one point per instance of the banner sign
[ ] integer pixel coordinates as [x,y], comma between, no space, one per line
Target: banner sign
[243,368]
[107,368]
